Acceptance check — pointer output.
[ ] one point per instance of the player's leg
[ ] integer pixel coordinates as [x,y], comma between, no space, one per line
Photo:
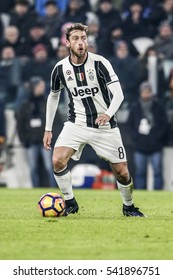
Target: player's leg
[124,181]
[125,186]
[109,146]
[61,156]
[70,144]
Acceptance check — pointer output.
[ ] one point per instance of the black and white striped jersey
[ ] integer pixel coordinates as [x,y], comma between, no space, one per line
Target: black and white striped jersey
[87,86]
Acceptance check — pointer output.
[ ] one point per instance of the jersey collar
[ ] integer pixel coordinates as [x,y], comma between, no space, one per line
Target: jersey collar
[78,65]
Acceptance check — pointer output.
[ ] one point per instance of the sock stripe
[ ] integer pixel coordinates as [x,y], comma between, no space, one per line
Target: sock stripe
[61,173]
[127,183]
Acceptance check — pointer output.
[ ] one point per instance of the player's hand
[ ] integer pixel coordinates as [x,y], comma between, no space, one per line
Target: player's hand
[102,119]
[47,140]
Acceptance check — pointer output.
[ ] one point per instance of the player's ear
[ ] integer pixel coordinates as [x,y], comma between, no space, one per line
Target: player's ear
[67,44]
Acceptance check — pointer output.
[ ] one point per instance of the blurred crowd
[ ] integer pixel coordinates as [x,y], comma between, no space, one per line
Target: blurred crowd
[135,36]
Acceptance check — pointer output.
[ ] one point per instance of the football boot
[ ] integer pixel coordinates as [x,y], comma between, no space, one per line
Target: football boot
[71,206]
[132,211]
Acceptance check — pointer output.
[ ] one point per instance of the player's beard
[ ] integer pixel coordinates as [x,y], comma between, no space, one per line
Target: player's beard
[79,54]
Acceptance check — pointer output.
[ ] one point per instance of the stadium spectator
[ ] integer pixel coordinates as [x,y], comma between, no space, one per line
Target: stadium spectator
[30,126]
[161,12]
[145,71]
[62,40]
[61,52]
[88,79]
[135,24]
[107,15]
[62,5]
[37,35]
[127,69]
[22,17]
[146,4]
[40,6]
[94,37]
[114,35]
[92,47]
[40,65]
[52,19]
[12,39]
[10,76]
[148,11]
[75,12]
[148,126]
[163,42]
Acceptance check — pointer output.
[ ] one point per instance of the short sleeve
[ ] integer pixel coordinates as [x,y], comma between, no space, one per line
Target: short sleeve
[106,71]
[55,84]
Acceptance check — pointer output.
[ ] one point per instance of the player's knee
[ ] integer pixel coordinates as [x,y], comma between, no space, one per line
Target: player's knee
[58,163]
[123,177]
[122,174]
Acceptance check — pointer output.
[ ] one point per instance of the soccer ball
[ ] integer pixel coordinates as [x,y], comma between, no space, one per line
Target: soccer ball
[51,205]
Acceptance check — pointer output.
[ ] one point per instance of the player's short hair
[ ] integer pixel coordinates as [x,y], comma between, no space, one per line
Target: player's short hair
[76,26]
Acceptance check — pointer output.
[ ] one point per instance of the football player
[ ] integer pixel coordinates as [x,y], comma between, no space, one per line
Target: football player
[94,95]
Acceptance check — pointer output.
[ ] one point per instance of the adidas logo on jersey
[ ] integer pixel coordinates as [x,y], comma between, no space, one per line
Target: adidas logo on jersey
[84,92]
[70,79]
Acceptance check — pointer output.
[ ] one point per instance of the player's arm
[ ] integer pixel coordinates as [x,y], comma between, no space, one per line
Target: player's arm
[112,82]
[118,97]
[51,108]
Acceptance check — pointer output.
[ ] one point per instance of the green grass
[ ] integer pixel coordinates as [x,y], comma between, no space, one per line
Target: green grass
[99,231]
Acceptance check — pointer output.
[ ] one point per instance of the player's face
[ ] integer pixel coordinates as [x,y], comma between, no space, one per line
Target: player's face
[78,43]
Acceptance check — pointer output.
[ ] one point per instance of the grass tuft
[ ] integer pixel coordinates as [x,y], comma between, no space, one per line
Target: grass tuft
[99,231]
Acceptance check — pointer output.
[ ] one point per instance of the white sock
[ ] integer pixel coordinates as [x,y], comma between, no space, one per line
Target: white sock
[64,181]
[126,192]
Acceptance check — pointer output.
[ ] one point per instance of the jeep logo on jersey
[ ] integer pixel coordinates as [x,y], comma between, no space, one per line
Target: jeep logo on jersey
[83,92]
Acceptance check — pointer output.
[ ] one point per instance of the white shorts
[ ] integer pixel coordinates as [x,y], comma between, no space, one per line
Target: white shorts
[107,143]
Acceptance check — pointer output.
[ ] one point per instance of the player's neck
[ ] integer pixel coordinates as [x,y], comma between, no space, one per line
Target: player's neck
[77,60]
